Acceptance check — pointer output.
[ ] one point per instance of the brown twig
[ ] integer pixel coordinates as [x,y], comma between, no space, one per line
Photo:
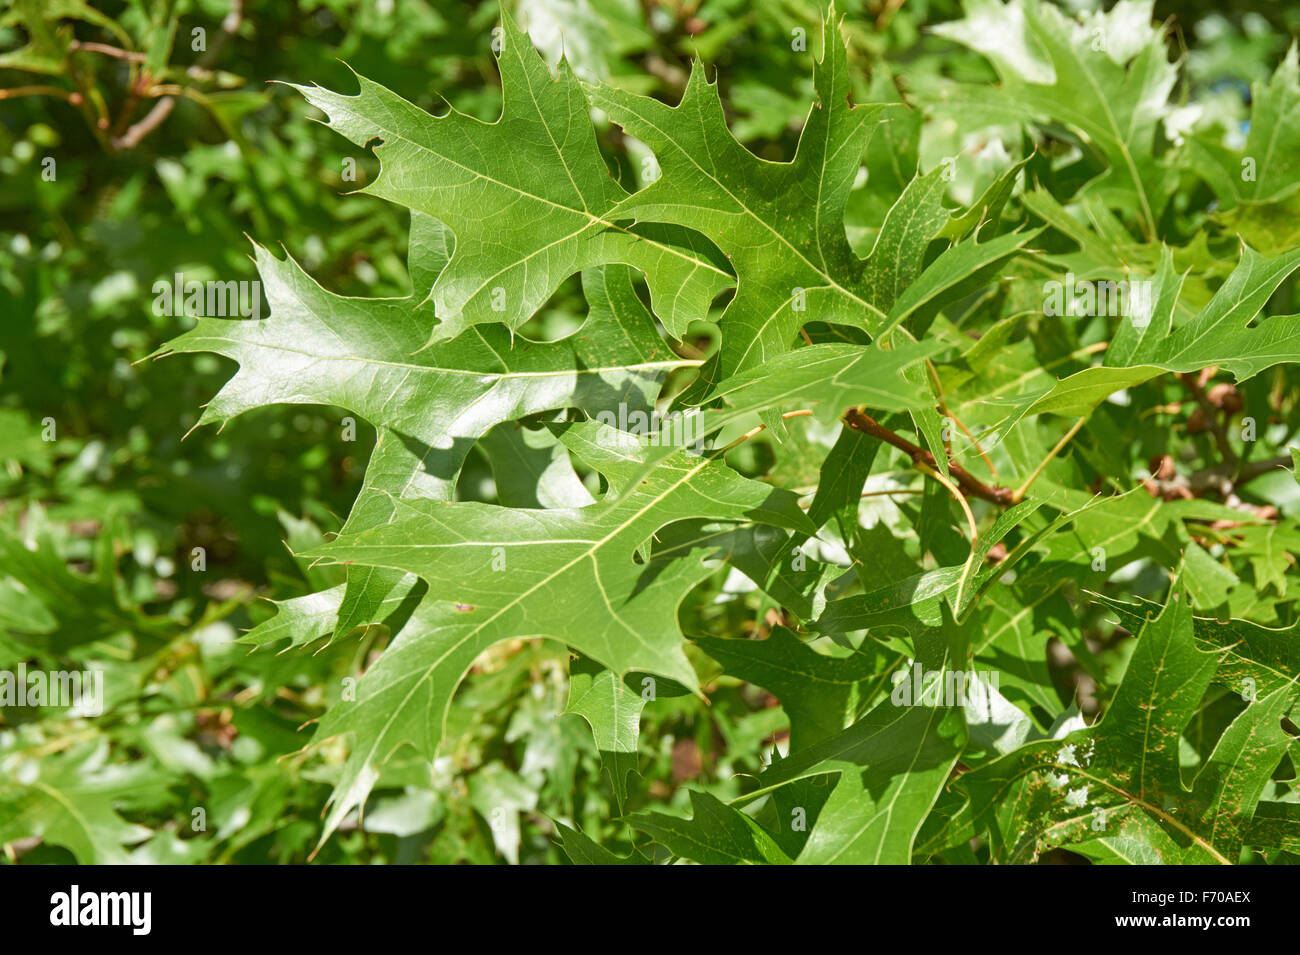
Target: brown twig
[152,120]
[162,109]
[107,50]
[1253,469]
[1221,479]
[859,420]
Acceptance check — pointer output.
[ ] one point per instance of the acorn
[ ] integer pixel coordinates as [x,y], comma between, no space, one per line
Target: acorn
[1161,467]
[1226,397]
[1196,423]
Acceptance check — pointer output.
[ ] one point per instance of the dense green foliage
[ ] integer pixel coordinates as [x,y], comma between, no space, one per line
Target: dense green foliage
[727,432]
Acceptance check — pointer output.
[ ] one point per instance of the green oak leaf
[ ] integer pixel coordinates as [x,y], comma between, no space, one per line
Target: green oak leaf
[528,198]
[1119,781]
[1227,332]
[369,356]
[613,711]
[1255,661]
[1257,184]
[891,766]
[48,606]
[575,574]
[583,850]
[820,693]
[716,834]
[73,799]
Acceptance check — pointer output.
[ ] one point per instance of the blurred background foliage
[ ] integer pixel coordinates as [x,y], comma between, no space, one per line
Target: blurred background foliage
[141,139]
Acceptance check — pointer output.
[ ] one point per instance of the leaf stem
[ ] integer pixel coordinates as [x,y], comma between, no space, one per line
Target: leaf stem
[961,499]
[760,429]
[947,412]
[1019,493]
